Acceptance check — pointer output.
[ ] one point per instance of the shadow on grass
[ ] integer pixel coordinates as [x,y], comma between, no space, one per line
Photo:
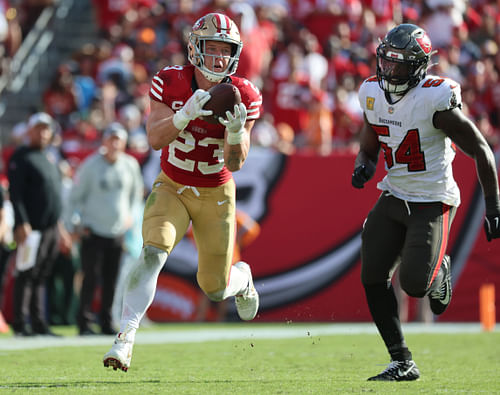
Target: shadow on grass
[93,383]
[72,384]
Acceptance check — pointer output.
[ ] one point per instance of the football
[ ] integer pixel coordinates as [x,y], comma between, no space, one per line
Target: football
[223,97]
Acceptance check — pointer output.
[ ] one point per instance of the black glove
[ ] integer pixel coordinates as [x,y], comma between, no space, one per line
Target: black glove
[362,174]
[492,226]
[492,218]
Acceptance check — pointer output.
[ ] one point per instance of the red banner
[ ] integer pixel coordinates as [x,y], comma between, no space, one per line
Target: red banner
[306,262]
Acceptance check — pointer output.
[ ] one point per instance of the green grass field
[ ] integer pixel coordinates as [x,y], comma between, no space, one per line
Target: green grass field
[251,359]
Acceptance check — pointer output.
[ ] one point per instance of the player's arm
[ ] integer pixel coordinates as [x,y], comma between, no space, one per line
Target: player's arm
[366,160]
[159,126]
[469,139]
[164,125]
[237,137]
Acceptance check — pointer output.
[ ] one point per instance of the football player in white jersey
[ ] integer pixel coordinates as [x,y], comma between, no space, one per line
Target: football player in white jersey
[195,184]
[417,120]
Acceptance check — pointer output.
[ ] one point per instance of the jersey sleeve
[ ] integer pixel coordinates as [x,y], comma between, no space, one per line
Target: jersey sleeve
[251,98]
[156,91]
[362,95]
[447,96]
[365,99]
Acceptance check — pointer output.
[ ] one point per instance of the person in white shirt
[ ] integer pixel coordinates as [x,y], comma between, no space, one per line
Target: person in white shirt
[108,187]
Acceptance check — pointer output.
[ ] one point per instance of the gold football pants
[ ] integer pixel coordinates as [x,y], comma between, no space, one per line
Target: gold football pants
[167,213]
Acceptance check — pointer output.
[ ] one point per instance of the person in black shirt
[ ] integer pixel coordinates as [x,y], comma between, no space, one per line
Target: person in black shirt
[35,192]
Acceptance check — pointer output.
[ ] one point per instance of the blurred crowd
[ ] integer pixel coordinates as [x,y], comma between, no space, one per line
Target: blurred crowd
[17,17]
[308,57]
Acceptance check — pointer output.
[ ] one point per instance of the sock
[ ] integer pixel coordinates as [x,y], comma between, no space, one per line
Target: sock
[238,282]
[383,307]
[140,288]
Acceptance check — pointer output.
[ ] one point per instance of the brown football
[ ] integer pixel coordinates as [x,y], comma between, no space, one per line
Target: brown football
[223,97]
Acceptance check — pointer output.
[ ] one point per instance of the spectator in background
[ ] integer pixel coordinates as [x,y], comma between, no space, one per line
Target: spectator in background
[61,295]
[35,192]
[6,223]
[13,35]
[60,99]
[256,53]
[291,92]
[84,78]
[108,186]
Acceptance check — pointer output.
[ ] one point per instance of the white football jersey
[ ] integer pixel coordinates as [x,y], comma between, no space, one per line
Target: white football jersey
[418,157]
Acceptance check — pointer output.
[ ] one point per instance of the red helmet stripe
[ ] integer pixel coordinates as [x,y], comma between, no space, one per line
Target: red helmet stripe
[228,23]
[223,22]
[218,18]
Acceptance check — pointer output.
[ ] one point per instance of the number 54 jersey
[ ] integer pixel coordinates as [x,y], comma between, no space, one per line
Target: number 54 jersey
[418,157]
[196,156]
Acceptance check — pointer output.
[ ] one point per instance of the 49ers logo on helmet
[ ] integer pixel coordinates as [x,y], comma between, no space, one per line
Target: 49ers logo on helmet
[199,24]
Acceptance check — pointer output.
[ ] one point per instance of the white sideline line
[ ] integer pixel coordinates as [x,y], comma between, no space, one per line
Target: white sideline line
[248,332]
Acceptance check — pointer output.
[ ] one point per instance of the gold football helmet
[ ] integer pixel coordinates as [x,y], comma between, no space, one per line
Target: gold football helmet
[214,27]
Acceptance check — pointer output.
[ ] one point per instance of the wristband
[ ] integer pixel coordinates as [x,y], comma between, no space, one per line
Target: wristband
[179,120]
[492,205]
[235,138]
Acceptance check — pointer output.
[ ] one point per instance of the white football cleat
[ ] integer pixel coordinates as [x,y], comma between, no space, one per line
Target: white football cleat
[120,354]
[247,304]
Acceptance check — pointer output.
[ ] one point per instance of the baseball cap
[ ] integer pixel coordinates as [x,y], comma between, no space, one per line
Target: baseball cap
[115,129]
[40,118]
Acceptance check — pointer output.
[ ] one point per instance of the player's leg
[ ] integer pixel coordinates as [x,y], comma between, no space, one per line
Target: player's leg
[425,268]
[383,237]
[214,234]
[165,223]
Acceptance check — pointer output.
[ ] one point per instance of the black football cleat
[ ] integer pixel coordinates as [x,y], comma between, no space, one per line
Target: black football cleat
[441,298]
[398,371]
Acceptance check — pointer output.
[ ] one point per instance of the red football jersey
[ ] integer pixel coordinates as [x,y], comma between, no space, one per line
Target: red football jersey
[196,156]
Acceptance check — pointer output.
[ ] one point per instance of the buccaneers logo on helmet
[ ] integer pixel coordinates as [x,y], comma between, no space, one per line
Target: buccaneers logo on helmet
[403,58]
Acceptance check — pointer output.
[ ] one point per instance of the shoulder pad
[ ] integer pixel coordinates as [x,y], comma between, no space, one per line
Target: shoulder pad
[443,93]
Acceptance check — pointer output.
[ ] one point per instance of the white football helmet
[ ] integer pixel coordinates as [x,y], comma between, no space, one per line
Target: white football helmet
[214,27]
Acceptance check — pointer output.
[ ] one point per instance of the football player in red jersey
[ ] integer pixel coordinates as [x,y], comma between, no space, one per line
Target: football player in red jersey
[195,183]
[415,118]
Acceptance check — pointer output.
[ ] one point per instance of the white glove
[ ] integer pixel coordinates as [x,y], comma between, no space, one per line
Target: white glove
[192,109]
[235,124]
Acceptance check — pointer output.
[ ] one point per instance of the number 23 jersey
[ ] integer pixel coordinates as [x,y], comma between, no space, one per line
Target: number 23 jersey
[196,156]
[418,157]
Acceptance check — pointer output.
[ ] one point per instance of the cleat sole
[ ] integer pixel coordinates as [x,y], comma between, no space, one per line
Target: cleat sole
[115,364]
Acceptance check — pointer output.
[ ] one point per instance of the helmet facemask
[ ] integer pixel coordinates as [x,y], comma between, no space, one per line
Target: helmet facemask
[214,27]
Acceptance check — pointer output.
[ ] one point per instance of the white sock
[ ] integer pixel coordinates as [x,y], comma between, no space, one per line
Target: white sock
[238,282]
[140,288]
